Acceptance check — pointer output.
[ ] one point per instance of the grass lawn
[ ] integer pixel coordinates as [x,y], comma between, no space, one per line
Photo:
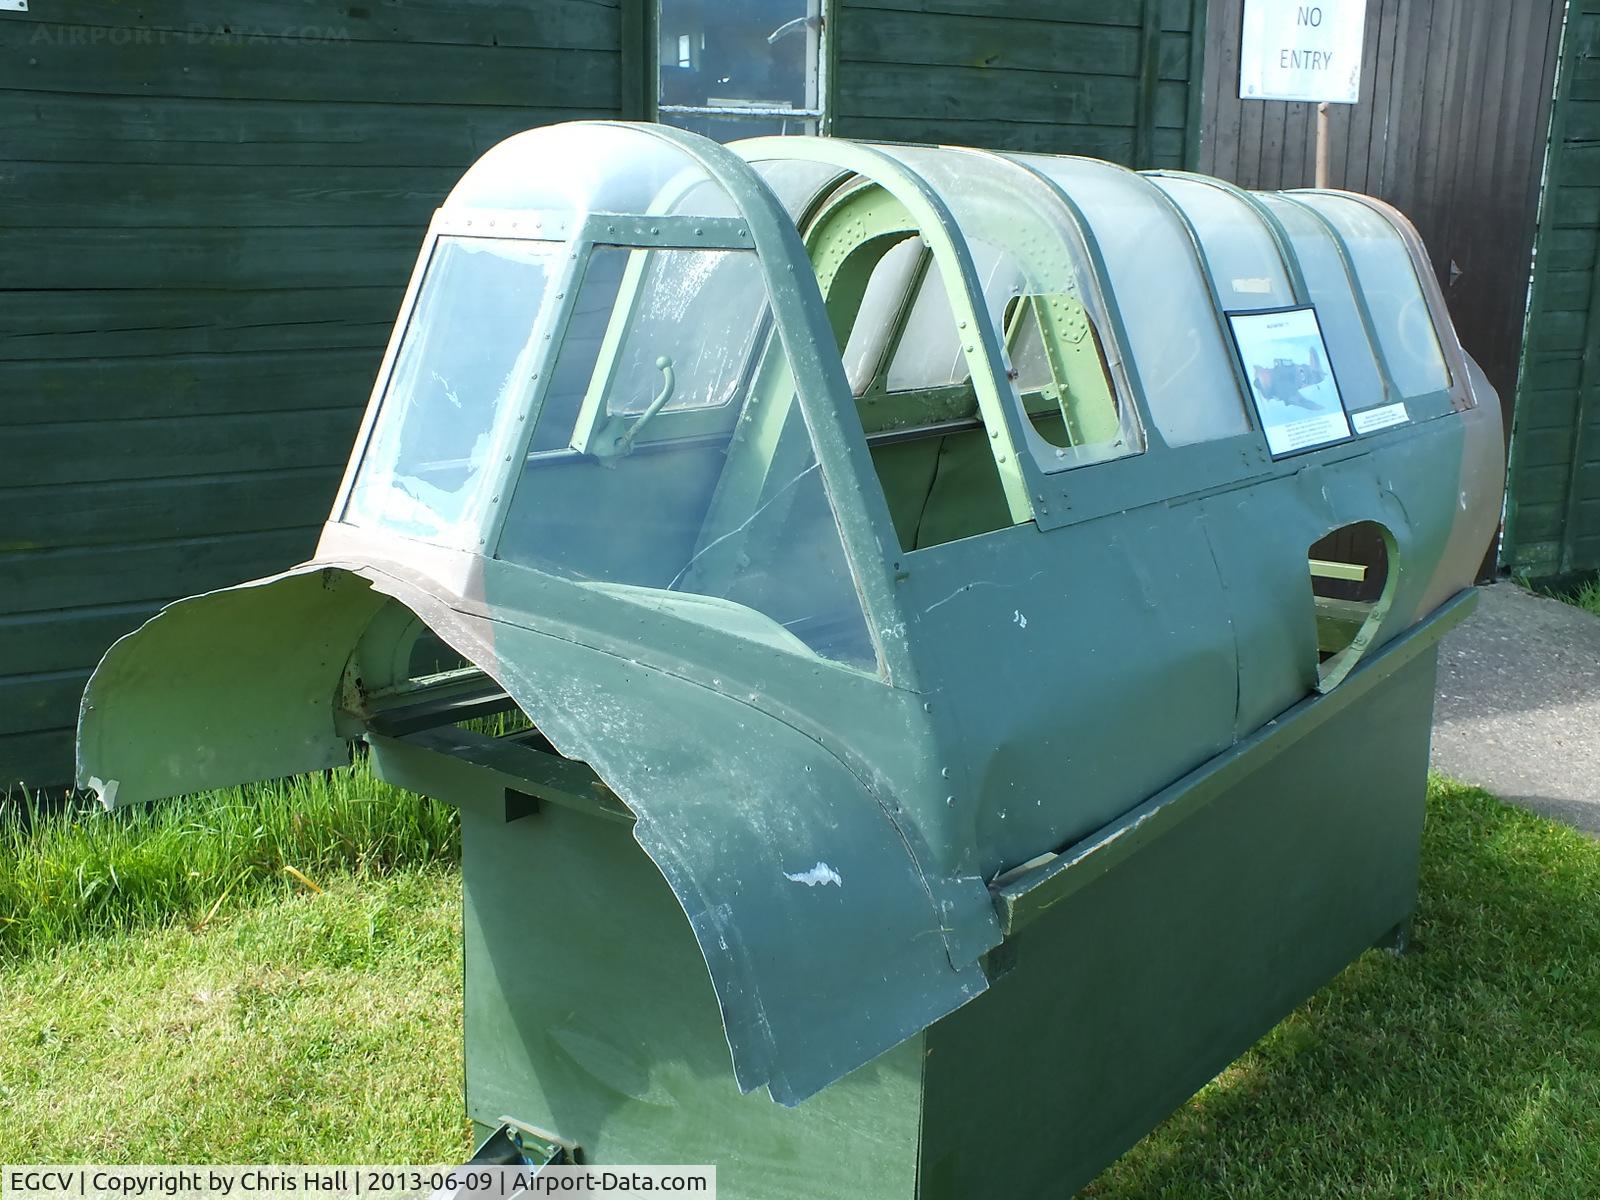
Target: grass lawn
[1585,596]
[316,1028]
[323,1026]
[1588,596]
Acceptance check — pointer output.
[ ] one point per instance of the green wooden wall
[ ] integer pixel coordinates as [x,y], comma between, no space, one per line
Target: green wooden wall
[1553,507]
[208,212]
[1106,78]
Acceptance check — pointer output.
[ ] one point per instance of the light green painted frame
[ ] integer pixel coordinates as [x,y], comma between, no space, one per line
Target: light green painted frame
[1002,416]
[593,413]
[872,215]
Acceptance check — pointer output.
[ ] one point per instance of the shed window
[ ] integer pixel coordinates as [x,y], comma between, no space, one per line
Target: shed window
[740,68]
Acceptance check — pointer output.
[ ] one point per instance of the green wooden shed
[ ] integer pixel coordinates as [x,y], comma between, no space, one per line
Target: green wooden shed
[1553,505]
[210,211]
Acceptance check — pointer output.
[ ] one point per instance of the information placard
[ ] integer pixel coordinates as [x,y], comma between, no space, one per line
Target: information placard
[1302,50]
[1286,363]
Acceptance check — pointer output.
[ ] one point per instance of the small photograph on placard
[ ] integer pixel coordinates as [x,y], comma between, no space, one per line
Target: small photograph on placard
[1286,363]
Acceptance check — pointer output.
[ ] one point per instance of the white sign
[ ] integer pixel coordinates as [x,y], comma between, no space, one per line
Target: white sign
[1286,363]
[1374,419]
[1306,50]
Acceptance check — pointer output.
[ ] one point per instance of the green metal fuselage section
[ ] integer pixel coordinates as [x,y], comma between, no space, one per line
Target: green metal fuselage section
[920,687]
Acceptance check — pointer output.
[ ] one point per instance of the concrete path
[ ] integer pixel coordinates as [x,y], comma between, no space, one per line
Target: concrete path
[1518,709]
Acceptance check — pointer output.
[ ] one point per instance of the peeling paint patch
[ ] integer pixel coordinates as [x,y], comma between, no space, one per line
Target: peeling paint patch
[821,874]
[1017,619]
[105,790]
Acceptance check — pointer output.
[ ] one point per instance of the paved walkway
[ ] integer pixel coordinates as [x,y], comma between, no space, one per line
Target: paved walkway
[1518,709]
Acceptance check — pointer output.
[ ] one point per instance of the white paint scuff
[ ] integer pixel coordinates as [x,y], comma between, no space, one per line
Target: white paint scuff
[820,875]
[105,790]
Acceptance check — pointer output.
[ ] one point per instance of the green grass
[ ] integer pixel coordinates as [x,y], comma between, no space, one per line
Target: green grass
[317,1028]
[325,1027]
[1587,597]
[72,873]
[1468,1068]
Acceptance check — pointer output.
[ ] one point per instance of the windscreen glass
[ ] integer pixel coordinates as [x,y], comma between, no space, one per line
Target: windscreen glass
[670,464]
[464,366]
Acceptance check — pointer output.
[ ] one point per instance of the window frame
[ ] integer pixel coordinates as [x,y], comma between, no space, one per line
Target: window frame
[574,242]
[820,73]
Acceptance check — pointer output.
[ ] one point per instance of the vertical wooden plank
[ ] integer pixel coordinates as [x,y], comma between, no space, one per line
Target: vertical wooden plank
[1299,139]
[1144,132]
[1352,123]
[1492,255]
[638,67]
[1274,121]
[836,31]
[1441,97]
[1402,168]
[1397,119]
[1220,141]
[1377,73]
[1252,113]
[1237,168]
[1199,11]
[1464,133]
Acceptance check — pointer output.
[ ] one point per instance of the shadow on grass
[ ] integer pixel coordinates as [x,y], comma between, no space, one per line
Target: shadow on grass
[1468,1067]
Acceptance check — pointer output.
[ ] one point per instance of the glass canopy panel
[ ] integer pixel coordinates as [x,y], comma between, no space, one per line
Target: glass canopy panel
[1393,294]
[930,353]
[576,169]
[796,182]
[1355,366]
[670,464]
[462,373]
[1246,268]
[1185,366]
[1028,252]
